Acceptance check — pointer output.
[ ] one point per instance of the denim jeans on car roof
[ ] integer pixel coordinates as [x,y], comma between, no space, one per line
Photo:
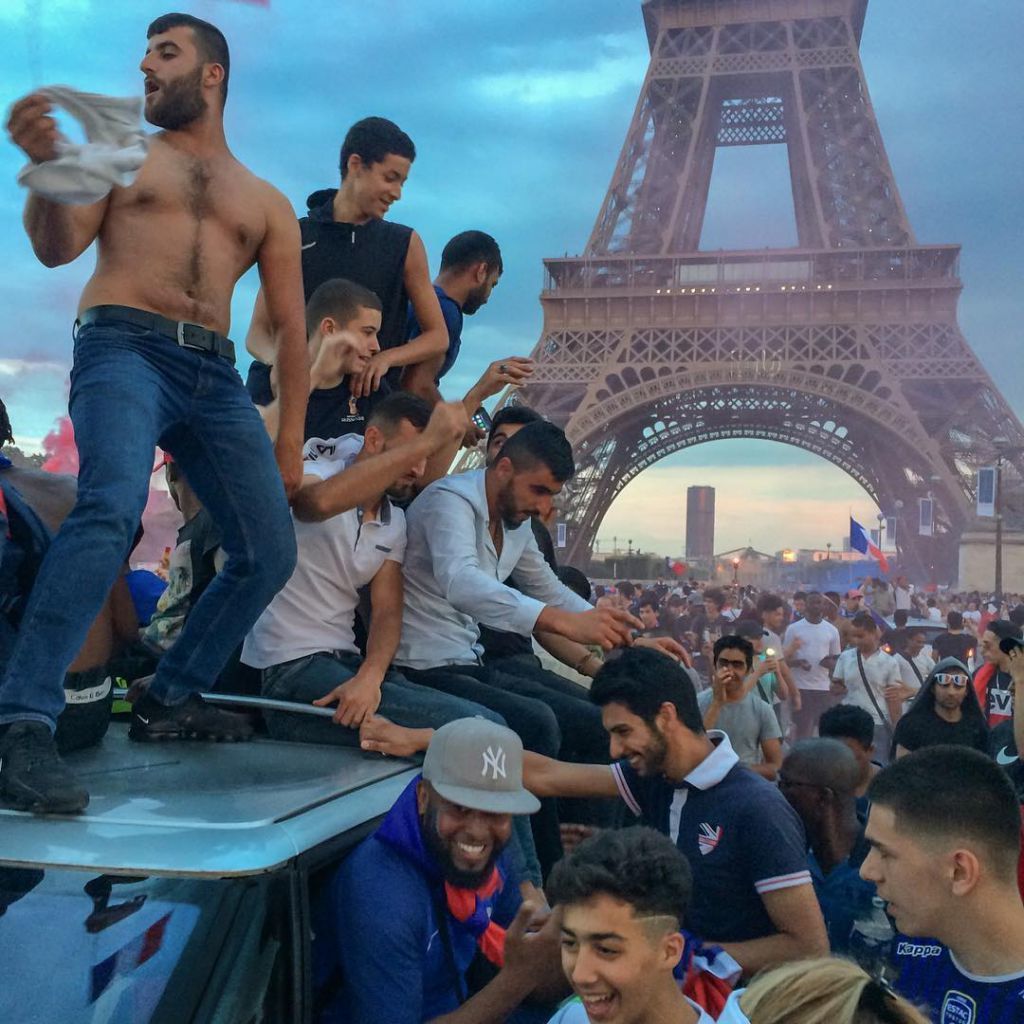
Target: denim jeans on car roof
[132,389]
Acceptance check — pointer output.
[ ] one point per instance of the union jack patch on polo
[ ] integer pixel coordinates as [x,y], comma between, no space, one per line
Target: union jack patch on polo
[708,838]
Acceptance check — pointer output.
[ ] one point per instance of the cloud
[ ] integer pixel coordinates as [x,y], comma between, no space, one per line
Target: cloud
[20,367]
[544,87]
[35,15]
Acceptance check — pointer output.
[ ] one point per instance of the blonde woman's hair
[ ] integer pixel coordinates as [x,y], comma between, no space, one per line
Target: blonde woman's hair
[825,991]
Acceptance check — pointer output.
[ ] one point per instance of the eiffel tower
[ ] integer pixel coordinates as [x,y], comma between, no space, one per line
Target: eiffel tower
[846,345]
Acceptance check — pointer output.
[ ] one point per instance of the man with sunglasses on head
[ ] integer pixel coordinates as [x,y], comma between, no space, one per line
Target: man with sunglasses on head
[946,711]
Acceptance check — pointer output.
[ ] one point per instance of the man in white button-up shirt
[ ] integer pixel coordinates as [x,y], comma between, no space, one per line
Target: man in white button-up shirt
[468,533]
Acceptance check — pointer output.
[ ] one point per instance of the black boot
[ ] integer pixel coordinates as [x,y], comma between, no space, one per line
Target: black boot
[193,720]
[32,775]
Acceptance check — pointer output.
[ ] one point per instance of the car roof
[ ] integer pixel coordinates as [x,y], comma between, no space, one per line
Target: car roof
[204,809]
[921,625]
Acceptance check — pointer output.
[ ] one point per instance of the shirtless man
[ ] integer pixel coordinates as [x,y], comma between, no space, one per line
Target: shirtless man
[152,366]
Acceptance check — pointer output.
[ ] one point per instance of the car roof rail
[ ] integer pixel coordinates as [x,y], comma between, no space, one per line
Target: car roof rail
[243,701]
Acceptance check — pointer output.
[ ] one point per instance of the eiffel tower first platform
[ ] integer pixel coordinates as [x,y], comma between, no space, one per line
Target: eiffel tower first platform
[846,345]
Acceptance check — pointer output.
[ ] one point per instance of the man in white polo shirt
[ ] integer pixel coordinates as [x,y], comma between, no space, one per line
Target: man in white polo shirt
[304,642]
[812,646]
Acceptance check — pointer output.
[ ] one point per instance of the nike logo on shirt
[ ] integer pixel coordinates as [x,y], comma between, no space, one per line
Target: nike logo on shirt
[308,245]
[1003,758]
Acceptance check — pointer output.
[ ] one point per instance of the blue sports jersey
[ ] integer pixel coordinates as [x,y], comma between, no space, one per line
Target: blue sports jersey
[928,975]
[452,313]
[738,832]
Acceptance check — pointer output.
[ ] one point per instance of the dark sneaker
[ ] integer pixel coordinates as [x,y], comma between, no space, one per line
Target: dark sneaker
[193,720]
[32,775]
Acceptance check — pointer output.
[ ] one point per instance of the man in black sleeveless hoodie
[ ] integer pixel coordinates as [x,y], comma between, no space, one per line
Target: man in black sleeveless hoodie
[344,234]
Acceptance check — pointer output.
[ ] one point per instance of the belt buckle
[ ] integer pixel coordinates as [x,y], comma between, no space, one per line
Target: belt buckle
[183,341]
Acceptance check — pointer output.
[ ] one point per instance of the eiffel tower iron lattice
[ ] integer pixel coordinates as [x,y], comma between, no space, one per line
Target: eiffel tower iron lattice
[846,345]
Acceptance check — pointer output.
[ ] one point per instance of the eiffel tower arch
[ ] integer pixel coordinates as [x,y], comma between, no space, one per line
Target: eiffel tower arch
[846,345]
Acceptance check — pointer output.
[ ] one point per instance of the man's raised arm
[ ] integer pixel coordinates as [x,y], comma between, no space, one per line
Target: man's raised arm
[353,486]
[59,232]
[500,374]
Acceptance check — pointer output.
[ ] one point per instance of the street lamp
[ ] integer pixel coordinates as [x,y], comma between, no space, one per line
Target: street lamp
[735,571]
[1001,444]
[828,551]
[895,541]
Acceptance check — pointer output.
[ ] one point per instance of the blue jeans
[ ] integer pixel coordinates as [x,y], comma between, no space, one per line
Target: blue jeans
[307,679]
[132,389]
[415,707]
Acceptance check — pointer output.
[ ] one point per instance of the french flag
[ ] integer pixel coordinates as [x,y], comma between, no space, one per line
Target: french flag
[860,540]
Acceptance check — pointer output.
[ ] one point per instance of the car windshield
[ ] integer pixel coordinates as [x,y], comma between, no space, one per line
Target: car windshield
[81,947]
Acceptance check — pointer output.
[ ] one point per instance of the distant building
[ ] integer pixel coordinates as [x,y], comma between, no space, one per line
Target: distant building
[700,524]
[746,566]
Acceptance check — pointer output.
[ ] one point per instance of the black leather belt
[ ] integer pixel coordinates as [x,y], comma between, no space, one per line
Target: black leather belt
[185,334]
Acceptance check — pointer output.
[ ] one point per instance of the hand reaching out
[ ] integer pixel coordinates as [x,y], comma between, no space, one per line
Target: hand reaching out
[512,370]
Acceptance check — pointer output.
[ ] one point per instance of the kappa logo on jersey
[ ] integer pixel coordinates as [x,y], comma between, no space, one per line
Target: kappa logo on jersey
[917,949]
[958,1008]
[708,838]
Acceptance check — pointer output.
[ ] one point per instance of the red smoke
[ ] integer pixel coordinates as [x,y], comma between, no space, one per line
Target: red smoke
[60,450]
[160,519]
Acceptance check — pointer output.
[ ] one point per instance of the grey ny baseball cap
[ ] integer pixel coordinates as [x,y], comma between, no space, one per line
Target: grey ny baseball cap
[478,764]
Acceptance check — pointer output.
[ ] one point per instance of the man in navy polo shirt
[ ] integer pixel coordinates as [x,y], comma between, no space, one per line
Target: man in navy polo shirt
[746,847]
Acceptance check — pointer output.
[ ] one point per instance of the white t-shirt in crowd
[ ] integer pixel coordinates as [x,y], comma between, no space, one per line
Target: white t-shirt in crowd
[817,640]
[573,1012]
[902,597]
[935,615]
[881,671]
[315,610]
[924,665]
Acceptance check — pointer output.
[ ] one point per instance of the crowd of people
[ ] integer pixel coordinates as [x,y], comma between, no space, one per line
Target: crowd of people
[667,803]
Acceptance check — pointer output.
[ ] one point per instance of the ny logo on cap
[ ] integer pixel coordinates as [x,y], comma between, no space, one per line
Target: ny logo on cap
[495,761]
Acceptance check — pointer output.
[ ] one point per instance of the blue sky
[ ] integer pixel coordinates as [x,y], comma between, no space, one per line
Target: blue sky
[518,111]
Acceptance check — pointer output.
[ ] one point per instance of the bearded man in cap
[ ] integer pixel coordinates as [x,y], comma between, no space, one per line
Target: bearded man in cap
[426,916]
